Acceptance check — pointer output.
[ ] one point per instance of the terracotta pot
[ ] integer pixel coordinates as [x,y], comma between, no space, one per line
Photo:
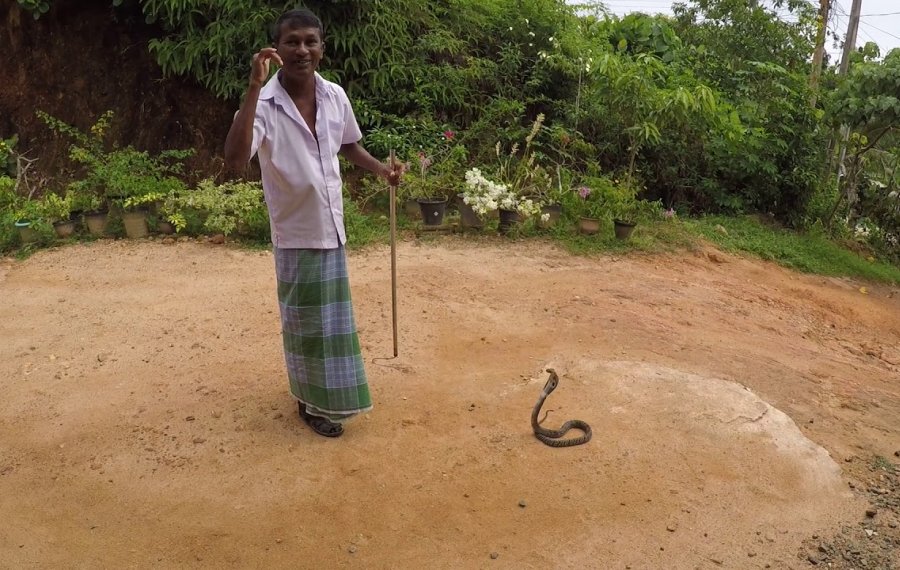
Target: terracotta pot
[135,224]
[96,222]
[167,228]
[588,226]
[64,228]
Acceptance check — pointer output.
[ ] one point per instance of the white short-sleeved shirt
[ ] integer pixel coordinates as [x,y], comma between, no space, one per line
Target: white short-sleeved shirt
[301,176]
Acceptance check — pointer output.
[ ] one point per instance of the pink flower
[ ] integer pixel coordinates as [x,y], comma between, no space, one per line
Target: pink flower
[669,214]
[449,135]
[584,192]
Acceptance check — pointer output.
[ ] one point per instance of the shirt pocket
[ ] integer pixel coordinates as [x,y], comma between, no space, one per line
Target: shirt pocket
[335,134]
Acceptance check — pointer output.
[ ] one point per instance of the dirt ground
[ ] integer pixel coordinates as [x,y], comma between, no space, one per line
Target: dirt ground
[744,416]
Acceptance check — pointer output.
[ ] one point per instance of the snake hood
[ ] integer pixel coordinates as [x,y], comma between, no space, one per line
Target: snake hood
[552,382]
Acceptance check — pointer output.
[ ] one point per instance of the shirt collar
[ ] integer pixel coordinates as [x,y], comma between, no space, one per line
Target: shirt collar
[273,89]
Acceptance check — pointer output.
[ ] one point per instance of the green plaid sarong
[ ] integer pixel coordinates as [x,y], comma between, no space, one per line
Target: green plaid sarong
[321,346]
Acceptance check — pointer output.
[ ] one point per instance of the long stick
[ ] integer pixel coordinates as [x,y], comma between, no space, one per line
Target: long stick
[394,254]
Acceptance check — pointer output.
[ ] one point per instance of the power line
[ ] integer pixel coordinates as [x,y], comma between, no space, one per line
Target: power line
[880,30]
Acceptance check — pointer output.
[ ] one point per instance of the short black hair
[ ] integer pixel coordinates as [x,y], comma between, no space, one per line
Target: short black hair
[294,19]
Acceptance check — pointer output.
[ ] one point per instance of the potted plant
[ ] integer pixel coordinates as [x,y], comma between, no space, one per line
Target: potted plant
[591,210]
[94,208]
[134,213]
[520,184]
[552,201]
[29,215]
[58,211]
[432,176]
[426,190]
[627,210]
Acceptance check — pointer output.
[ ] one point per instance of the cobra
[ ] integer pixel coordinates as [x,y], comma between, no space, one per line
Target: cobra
[552,437]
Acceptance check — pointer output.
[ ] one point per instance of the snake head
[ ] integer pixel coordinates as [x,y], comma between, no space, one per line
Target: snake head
[552,382]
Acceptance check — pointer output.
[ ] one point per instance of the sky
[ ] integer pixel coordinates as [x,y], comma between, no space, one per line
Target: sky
[880,21]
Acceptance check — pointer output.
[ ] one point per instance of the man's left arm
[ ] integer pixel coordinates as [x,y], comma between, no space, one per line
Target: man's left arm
[357,155]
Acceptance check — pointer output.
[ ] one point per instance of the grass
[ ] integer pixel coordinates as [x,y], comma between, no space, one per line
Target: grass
[653,237]
[806,252]
[882,463]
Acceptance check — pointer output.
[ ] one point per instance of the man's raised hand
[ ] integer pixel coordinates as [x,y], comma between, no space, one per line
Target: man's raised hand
[260,70]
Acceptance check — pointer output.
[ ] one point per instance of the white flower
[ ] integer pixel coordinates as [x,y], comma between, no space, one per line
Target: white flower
[530,44]
[510,28]
[551,39]
[526,20]
[545,218]
[531,34]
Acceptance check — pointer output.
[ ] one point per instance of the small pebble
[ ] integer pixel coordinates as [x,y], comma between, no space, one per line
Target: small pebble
[189,419]
[522,504]
[495,555]
[352,549]
[871,513]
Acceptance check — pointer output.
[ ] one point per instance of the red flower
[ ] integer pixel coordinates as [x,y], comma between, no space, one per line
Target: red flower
[449,135]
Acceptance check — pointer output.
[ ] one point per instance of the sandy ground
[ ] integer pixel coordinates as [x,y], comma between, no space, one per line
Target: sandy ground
[737,409]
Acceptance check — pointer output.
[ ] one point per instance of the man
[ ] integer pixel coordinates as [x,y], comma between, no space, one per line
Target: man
[299,123]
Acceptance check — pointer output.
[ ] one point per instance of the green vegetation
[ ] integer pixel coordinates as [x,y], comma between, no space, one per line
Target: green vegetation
[707,113]
[811,252]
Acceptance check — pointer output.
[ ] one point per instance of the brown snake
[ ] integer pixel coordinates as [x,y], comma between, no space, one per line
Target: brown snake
[551,436]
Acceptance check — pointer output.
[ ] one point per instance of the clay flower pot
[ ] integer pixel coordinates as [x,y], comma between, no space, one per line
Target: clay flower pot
[588,226]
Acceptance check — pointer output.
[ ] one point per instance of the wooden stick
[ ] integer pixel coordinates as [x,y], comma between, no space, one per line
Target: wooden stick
[394,254]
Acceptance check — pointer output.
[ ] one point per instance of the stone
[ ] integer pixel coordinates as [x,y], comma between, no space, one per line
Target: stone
[495,555]
[523,504]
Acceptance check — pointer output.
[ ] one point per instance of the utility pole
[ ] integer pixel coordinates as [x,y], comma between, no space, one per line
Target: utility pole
[850,42]
[819,55]
[849,46]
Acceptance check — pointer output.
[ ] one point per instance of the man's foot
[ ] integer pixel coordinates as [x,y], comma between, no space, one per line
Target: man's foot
[321,426]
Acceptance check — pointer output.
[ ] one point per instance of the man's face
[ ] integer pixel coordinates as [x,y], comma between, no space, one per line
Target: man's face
[301,50]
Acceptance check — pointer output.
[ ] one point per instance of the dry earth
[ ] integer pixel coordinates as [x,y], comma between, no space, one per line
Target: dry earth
[744,416]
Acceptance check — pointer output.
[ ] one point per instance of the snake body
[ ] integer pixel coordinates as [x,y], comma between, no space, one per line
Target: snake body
[552,437]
